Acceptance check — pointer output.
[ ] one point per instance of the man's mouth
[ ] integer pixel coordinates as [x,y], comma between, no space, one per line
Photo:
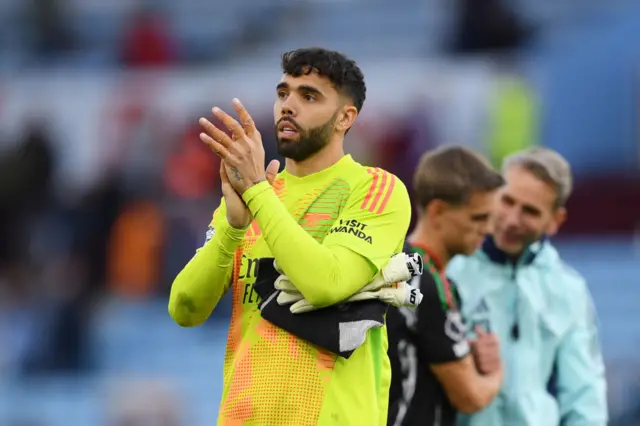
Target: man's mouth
[512,237]
[286,128]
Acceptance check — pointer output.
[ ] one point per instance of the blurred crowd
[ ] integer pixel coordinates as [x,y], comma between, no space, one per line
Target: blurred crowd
[111,204]
[143,34]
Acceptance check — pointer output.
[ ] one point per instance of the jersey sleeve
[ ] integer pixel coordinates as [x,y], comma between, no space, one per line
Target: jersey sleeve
[207,277]
[440,328]
[375,220]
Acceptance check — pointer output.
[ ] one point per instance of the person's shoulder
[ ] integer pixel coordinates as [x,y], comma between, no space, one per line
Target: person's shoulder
[561,271]
[565,287]
[460,264]
[436,288]
[573,285]
[377,188]
[470,272]
[571,275]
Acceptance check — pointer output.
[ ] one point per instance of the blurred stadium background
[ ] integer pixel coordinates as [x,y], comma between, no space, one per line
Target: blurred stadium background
[105,190]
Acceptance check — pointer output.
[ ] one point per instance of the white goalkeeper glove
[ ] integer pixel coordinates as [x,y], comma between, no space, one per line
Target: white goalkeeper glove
[388,286]
[401,267]
[398,294]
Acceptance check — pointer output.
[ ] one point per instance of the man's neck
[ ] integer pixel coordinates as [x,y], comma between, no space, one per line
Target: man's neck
[323,159]
[426,236]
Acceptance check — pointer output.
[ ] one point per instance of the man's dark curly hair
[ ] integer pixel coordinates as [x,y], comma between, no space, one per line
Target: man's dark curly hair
[343,72]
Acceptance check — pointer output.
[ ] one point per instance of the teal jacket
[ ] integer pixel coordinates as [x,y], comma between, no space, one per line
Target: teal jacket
[542,312]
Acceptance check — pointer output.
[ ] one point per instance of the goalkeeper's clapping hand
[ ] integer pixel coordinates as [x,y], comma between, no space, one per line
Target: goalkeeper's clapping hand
[388,286]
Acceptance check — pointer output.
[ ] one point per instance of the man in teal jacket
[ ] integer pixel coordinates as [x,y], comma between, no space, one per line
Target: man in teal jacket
[517,286]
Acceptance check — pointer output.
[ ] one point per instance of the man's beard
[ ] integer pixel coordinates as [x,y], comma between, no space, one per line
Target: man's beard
[310,141]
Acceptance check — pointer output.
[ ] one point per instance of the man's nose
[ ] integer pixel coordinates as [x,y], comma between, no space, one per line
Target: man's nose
[483,229]
[288,107]
[511,218]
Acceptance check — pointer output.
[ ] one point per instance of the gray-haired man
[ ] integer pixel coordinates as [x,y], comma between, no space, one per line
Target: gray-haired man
[518,287]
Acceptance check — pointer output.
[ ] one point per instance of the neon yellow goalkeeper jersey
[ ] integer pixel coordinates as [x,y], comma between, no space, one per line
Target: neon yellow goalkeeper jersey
[273,378]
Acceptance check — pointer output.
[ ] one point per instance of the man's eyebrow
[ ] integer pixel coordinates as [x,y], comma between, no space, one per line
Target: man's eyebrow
[309,89]
[531,209]
[302,88]
[480,216]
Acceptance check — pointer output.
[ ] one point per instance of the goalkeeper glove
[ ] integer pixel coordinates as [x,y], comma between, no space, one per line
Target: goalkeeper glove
[388,286]
[398,294]
[401,267]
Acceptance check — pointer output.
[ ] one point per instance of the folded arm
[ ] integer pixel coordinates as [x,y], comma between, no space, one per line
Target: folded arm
[206,278]
[445,348]
[329,272]
[467,389]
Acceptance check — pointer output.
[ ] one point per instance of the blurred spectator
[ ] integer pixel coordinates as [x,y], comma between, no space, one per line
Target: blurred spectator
[48,28]
[191,170]
[148,41]
[58,339]
[513,121]
[25,190]
[27,170]
[135,250]
[488,26]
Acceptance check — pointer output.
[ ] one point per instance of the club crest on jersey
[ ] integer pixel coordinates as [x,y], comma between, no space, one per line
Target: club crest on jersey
[211,231]
[454,326]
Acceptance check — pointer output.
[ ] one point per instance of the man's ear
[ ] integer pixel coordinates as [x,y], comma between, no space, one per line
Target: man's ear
[434,211]
[346,118]
[559,217]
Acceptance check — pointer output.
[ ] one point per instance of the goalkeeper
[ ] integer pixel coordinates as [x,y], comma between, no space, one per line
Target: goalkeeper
[330,223]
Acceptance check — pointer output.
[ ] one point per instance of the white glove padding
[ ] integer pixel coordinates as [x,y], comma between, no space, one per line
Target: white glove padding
[399,294]
[388,285]
[401,267]
[286,298]
[283,283]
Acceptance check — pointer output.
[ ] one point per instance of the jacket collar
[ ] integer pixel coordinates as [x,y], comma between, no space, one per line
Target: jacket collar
[491,250]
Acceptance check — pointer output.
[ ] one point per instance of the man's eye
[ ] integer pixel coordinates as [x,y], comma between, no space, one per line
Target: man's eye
[282,95]
[309,98]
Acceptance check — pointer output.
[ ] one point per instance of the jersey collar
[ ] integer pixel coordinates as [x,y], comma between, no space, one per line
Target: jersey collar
[496,255]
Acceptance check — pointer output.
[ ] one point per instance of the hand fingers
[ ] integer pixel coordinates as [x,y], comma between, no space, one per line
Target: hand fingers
[231,123]
[479,331]
[486,369]
[489,366]
[248,124]
[217,147]
[214,133]
[490,339]
[272,171]
[487,344]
